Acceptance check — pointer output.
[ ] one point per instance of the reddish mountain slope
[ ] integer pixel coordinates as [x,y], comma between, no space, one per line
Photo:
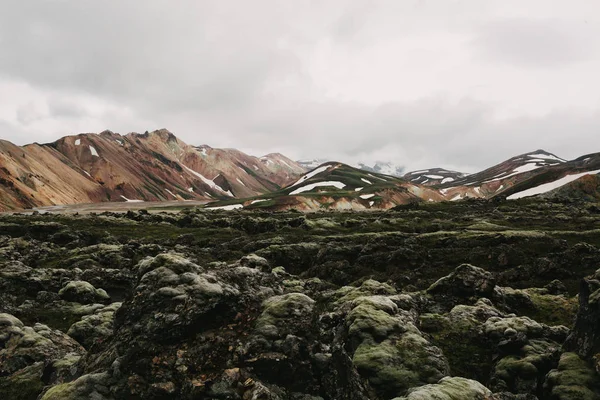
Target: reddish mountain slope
[154,166]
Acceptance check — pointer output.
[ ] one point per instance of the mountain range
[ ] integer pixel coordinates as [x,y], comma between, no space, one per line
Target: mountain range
[158,166]
[153,166]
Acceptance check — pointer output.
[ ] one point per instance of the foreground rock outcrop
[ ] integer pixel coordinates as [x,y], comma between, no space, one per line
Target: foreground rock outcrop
[295,312]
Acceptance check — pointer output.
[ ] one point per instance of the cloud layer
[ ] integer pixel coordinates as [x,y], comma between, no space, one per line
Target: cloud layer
[460,84]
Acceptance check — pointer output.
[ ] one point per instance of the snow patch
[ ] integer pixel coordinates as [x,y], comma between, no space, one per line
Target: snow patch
[131,200]
[457,197]
[259,200]
[311,174]
[434,176]
[171,193]
[227,208]
[519,170]
[77,142]
[208,181]
[366,196]
[310,187]
[446,180]
[190,189]
[87,173]
[119,141]
[371,203]
[358,189]
[94,152]
[547,157]
[365,181]
[546,187]
[242,183]
[286,164]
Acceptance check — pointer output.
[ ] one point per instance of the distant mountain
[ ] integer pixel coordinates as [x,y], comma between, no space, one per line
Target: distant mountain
[380,167]
[383,167]
[154,166]
[157,166]
[337,186]
[310,164]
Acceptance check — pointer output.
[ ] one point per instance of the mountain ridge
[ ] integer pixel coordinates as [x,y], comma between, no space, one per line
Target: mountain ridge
[158,166]
[153,166]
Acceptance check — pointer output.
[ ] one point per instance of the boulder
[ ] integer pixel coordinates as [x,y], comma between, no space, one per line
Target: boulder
[83,292]
[450,388]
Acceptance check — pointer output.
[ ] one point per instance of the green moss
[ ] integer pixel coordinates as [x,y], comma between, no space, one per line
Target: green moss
[25,384]
[469,353]
[551,309]
[365,319]
[65,391]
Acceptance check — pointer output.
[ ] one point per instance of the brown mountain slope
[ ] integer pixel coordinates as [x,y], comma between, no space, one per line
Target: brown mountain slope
[153,166]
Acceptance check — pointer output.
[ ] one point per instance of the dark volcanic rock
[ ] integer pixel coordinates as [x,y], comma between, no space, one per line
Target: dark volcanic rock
[305,307]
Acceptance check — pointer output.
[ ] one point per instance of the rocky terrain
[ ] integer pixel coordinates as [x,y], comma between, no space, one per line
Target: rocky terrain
[453,300]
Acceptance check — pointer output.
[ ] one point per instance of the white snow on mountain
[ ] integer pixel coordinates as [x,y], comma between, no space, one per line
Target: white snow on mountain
[227,208]
[311,186]
[131,200]
[208,181]
[546,187]
[312,173]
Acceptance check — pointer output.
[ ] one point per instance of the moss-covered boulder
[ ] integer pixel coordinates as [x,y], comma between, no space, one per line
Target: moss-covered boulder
[94,327]
[92,386]
[25,384]
[83,292]
[459,334]
[573,379]
[26,356]
[389,349]
[544,305]
[285,314]
[22,345]
[450,388]
[464,282]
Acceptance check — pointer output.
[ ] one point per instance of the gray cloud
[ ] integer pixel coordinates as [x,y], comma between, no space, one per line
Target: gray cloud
[421,83]
[542,43]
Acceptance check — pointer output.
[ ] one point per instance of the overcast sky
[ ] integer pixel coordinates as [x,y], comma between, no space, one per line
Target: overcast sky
[423,83]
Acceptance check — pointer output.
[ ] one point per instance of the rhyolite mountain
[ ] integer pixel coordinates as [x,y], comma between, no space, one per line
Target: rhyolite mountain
[433,176]
[337,186]
[154,166]
[158,166]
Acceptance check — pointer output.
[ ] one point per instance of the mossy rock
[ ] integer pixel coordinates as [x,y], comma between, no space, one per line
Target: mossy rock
[25,384]
[573,379]
[450,388]
[525,372]
[395,365]
[83,292]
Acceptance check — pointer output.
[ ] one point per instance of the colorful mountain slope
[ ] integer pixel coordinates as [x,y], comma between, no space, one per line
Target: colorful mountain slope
[156,166]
